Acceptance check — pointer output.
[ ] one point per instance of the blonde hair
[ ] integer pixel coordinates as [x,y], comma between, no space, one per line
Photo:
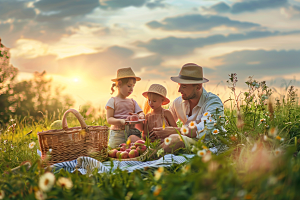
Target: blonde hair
[120,82]
[147,107]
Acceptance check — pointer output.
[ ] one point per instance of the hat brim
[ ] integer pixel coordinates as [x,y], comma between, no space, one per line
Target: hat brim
[136,78]
[186,81]
[165,101]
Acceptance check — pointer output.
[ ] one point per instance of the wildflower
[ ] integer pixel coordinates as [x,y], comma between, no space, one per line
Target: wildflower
[11,146]
[277,152]
[46,181]
[273,131]
[31,145]
[158,173]
[184,130]
[128,141]
[40,195]
[215,132]
[282,139]
[157,190]
[192,125]
[65,182]
[2,194]
[186,169]
[201,153]
[226,122]
[265,138]
[194,149]
[204,147]
[207,114]
[233,138]
[278,137]
[5,141]
[262,120]
[164,125]
[168,140]
[160,152]
[225,135]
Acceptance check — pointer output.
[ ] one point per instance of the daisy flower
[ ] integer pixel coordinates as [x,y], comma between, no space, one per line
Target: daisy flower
[65,182]
[201,153]
[186,169]
[46,181]
[262,120]
[31,145]
[207,114]
[278,137]
[157,190]
[184,130]
[192,125]
[215,131]
[5,141]
[2,194]
[204,147]
[168,141]
[273,131]
[277,152]
[40,195]
[158,173]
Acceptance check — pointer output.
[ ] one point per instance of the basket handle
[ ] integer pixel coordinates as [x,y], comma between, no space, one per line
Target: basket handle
[77,115]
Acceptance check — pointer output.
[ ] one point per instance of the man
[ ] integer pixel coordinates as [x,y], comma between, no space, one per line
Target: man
[190,106]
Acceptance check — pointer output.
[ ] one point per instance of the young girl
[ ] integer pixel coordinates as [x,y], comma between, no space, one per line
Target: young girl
[118,108]
[158,117]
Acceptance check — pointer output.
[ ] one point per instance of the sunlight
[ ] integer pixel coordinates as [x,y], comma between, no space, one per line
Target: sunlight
[76,80]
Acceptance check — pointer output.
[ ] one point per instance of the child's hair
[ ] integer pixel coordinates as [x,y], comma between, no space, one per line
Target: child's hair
[147,107]
[120,82]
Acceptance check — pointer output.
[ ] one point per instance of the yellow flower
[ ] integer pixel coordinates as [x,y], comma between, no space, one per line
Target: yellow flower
[46,181]
[157,190]
[204,147]
[164,125]
[184,130]
[40,195]
[215,131]
[31,145]
[128,141]
[168,141]
[278,137]
[273,131]
[65,182]
[201,153]
[186,169]
[158,173]
[192,125]
[2,194]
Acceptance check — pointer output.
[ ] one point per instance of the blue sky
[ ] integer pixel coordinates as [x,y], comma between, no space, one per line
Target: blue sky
[88,40]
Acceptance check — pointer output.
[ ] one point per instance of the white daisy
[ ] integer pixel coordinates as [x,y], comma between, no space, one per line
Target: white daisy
[273,131]
[31,145]
[46,181]
[39,195]
[184,130]
[5,141]
[201,153]
[65,182]
[168,141]
[192,125]
[215,131]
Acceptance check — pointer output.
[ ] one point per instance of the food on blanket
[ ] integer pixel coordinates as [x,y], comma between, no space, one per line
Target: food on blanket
[128,150]
[134,118]
[56,125]
[139,143]
[141,149]
[132,154]
[112,153]
[133,147]
[124,155]
[118,154]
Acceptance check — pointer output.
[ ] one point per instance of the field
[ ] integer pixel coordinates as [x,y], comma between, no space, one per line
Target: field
[258,158]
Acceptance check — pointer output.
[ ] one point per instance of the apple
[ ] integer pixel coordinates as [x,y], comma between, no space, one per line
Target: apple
[124,154]
[134,118]
[123,144]
[136,153]
[132,154]
[128,150]
[133,147]
[143,148]
[123,148]
[118,154]
[139,143]
[112,153]
[128,118]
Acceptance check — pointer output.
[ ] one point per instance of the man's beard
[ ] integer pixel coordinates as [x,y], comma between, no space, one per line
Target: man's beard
[192,96]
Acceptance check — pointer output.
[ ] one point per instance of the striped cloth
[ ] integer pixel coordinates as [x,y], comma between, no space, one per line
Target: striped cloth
[85,165]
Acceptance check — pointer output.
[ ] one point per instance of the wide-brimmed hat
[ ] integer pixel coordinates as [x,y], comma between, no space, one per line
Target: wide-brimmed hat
[125,73]
[158,89]
[190,73]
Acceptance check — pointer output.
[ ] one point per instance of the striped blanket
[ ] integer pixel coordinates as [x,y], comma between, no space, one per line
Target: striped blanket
[85,165]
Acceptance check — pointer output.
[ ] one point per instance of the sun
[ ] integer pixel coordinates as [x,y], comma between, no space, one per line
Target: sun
[76,80]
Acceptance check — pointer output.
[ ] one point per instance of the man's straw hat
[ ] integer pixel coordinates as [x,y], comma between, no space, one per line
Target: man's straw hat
[190,73]
[158,89]
[125,73]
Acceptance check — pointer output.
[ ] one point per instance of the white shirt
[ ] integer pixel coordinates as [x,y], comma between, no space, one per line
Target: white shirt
[208,102]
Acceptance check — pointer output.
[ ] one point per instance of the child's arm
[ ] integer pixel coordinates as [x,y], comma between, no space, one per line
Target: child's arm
[110,117]
[170,118]
[145,129]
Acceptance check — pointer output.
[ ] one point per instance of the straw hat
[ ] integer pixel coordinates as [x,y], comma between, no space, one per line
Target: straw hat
[125,73]
[190,73]
[158,89]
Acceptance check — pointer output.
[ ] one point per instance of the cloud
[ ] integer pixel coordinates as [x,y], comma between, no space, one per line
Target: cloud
[197,22]
[292,11]
[259,63]
[15,10]
[156,4]
[173,46]
[118,4]
[247,6]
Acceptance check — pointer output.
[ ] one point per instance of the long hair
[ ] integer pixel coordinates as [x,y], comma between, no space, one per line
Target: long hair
[147,107]
[120,82]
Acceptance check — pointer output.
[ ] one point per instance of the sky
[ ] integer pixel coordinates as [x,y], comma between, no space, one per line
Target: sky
[82,43]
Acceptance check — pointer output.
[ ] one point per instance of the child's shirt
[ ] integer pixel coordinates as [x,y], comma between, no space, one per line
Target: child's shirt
[155,120]
[122,108]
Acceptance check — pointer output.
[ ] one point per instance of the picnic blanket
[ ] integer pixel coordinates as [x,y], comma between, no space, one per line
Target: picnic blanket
[85,165]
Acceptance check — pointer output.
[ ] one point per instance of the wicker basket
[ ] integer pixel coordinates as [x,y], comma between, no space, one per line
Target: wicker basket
[70,143]
[140,158]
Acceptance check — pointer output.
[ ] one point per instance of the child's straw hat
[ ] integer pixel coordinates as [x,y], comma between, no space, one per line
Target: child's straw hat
[125,73]
[158,89]
[190,73]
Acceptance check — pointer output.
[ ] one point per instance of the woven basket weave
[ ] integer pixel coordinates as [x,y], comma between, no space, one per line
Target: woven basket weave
[70,143]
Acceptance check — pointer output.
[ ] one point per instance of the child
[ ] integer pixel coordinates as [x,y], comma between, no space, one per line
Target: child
[120,107]
[158,117]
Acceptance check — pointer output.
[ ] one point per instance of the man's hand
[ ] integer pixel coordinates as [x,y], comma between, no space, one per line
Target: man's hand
[159,133]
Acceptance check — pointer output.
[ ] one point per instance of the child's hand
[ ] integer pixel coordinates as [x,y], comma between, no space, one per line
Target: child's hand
[122,121]
[141,115]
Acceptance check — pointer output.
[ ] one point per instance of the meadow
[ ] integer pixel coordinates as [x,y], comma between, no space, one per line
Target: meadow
[258,140]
